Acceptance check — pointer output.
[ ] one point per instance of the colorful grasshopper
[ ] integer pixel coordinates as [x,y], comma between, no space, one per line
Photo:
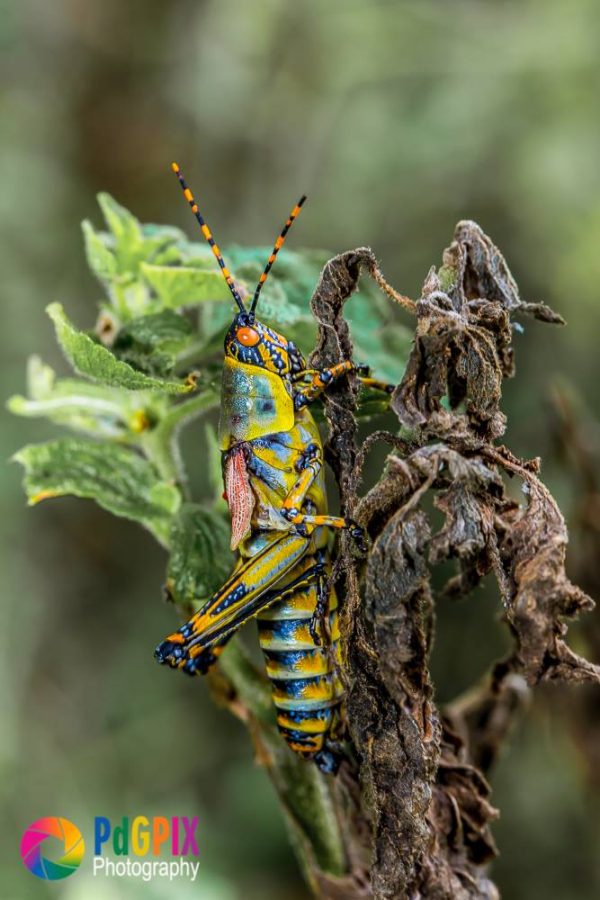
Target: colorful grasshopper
[275,489]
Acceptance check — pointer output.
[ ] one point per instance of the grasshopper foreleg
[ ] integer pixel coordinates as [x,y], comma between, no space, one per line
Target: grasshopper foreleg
[321,379]
[292,505]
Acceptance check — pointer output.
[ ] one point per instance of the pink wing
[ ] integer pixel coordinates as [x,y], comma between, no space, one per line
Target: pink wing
[239,496]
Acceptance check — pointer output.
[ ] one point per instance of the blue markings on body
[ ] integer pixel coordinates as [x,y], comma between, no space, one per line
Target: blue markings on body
[299,737]
[237,594]
[294,687]
[266,473]
[301,715]
[279,450]
[284,629]
[289,658]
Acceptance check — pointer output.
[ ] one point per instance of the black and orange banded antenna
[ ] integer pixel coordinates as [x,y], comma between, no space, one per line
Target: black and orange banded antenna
[208,235]
[276,249]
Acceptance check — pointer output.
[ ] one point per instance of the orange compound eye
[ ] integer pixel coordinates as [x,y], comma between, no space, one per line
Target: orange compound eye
[248,336]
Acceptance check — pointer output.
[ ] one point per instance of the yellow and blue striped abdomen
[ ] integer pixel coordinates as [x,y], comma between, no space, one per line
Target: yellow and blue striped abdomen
[307,691]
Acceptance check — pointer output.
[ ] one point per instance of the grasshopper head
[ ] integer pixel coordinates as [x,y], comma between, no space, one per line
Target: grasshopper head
[249,341]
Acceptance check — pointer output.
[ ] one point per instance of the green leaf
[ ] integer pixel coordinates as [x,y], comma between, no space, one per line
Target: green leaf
[118,479]
[154,268]
[166,328]
[100,257]
[92,408]
[123,225]
[200,556]
[151,343]
[161,244]
[96,362]
[115,256]
[177,286]
[162,233]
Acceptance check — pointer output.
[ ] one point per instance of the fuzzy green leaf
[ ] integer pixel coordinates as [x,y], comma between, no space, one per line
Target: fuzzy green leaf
[162,244]
[100,257]
[152,343]
[162,329]
[92,408]
[118,479]
[162,233]
[115,257]
[123,225]
[200,556]
[177,286]
[95,361]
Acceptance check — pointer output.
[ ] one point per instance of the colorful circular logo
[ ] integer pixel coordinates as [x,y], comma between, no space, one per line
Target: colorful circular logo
[52,848]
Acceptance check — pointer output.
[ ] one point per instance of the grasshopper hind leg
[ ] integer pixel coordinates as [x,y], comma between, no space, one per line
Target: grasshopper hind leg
[194,647]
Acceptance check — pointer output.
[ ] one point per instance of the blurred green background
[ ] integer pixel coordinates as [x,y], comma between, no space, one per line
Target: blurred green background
[398,119]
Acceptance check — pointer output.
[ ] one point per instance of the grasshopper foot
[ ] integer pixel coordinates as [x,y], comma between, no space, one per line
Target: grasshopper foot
[328,761]
[358,535]
[174,654]
[170,653]
[314,629]
[319,623]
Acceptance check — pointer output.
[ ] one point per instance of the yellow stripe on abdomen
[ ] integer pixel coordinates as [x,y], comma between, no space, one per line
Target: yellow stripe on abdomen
[307,690]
